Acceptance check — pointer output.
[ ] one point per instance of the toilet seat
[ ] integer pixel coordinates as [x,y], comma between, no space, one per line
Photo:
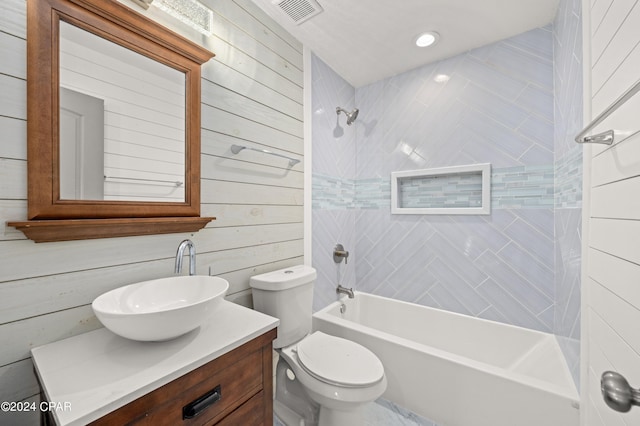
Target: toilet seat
[339,361]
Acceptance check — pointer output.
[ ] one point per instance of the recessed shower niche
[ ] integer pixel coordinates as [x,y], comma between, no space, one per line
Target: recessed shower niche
[445,190]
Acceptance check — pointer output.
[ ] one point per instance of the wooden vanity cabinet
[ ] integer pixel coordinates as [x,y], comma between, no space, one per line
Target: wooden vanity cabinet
[236,389]
[243,379]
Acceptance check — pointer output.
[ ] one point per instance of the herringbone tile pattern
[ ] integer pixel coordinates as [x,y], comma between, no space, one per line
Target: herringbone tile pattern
[493,267]
[494,104]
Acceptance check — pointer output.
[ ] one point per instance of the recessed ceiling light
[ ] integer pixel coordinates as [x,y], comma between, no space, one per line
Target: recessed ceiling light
[427,39]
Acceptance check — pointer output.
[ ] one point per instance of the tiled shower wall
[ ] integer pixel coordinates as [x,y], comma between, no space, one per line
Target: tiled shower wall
[491,105]
[567,46]
[494,104]
[333,187]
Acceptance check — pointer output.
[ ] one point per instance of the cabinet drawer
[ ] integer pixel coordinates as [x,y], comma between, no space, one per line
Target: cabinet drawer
[250,413]
[239,377]
[237,383]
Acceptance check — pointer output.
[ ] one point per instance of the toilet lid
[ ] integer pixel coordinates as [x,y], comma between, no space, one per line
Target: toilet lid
[339,361]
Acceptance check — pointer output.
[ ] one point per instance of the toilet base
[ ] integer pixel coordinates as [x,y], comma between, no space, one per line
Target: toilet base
[329,417]
[292,405]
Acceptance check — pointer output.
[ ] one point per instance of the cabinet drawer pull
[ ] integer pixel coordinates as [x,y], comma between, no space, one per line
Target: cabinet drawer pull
[194,408]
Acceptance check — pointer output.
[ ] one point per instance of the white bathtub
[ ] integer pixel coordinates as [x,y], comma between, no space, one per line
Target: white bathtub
[458,370]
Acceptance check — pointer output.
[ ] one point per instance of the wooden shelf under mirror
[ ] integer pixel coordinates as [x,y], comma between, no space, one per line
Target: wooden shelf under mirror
[44,231]
[144,177]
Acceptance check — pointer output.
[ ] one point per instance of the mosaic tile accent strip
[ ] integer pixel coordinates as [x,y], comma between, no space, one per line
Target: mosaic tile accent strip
[523,187]
[374,193]
[330,192]
[568,180]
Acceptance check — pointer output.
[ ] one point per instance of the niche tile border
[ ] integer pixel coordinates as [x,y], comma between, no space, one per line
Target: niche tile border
[445,190]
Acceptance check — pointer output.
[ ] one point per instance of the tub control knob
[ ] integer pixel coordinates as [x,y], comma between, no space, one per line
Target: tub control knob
[617,393]
[340,253]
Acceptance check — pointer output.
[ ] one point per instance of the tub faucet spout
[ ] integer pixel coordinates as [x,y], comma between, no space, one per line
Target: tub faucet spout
[192,257]
[344,290]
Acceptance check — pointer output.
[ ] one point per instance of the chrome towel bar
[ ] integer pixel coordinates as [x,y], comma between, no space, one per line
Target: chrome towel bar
[607,137]
[174,182]
[237,148]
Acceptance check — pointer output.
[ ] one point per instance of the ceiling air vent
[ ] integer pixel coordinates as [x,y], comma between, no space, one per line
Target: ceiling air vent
[300,10]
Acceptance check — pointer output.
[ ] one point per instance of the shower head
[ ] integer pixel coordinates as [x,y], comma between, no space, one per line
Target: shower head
[351,116]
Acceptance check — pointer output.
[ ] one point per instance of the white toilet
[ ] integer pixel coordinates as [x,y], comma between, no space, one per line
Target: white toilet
[315,369]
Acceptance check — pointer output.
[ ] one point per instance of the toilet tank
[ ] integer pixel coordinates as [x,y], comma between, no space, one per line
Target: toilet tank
[286,294]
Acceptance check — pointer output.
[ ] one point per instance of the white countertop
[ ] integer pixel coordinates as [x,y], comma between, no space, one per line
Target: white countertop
[97,372]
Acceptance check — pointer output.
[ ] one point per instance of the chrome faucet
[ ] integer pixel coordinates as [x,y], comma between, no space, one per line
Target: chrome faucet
[344,290]
[192,257]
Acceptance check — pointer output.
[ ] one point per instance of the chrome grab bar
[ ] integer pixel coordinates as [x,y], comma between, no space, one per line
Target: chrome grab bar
[606,138]
[237,148]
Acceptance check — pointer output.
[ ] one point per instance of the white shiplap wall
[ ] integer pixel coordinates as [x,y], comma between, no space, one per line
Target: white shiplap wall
[252,95]
[143,114]
[611,289]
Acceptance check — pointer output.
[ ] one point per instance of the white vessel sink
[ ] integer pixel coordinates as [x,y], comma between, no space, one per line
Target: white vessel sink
[160,309]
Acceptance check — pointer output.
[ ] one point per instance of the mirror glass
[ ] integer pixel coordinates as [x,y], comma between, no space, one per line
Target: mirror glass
[122,122]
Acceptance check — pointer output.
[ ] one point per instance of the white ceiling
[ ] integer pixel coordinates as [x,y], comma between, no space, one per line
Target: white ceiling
[367,40]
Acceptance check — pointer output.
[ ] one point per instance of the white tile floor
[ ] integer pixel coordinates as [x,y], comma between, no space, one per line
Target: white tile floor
[385,413]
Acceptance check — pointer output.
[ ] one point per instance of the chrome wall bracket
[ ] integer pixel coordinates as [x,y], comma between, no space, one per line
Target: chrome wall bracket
[608,136]
[605,138]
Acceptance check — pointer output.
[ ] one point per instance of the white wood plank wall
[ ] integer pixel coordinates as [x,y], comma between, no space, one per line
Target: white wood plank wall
[612,288]
[251,95]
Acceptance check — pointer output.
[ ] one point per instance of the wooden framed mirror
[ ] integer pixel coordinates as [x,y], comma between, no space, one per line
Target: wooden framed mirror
[105,51]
